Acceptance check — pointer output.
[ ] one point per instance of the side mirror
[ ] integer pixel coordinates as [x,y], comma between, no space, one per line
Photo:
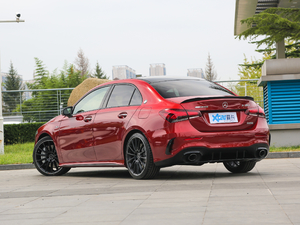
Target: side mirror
[67,111]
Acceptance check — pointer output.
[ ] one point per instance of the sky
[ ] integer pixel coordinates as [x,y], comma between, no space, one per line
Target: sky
[136,33]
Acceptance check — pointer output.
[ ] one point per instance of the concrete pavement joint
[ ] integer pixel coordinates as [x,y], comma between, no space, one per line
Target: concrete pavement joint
[209,195]
[270,191]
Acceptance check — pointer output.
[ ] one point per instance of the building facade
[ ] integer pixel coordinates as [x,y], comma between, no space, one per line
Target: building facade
[123,72]
[157,69]
[195,73]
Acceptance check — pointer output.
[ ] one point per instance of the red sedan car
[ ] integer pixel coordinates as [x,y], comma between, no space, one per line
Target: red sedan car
[149,123]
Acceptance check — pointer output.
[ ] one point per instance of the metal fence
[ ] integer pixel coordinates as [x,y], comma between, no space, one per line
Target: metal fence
[38,105]
[245,88]
[41,105]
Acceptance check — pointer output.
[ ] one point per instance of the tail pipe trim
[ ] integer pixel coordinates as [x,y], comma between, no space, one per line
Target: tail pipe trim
[261,152]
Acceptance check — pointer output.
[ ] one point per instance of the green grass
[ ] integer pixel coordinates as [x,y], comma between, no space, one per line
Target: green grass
[22,153]
[17,154]
[285,149]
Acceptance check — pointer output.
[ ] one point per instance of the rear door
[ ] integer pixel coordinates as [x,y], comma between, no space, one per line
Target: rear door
[111,122]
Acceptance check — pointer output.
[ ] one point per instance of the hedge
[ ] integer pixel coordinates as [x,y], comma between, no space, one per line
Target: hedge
[20,133]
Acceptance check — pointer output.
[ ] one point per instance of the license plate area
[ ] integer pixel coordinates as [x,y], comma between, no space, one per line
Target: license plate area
[223,117]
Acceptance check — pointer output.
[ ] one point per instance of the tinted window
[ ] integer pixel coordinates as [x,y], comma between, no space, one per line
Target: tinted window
[136,98]
[181,88]
[92,101]
[120,96]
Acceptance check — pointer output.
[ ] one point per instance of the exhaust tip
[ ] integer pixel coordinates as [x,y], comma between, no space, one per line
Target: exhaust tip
[192,157]
[261,152]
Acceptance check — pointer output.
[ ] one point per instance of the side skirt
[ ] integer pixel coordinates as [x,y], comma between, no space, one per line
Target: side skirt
[93,164]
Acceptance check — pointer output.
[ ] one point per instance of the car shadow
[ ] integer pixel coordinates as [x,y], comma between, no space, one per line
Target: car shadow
[162,175]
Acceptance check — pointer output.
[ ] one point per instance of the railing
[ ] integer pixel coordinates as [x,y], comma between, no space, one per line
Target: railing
[245,88]
[41,105]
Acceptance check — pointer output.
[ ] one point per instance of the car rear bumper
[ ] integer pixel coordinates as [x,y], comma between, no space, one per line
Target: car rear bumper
[201,155]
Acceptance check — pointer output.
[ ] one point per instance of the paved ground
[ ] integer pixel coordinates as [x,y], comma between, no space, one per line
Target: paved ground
[270,194]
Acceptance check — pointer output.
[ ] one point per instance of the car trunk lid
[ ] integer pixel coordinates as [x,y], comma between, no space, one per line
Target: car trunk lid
[221,113]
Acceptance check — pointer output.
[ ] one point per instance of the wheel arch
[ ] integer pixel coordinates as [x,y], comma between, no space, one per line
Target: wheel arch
[47,163]
[46,134]
[43,135]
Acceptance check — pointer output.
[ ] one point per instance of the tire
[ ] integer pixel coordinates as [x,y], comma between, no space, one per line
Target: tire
[239,166]
[139,159]
[45,158]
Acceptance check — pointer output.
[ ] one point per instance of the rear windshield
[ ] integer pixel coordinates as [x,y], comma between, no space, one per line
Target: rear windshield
[181,88]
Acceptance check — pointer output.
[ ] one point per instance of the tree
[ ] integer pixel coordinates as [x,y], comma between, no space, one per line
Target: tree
[292,50]
[247,71]
[13,82]
[44,105]
[74,77]
[82,63]
[40,75]
[210,73]
[68,77]
[99,73]
[276,23]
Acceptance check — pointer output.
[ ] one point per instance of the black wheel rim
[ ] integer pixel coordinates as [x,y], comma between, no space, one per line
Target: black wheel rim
[234,164]
[46,157]
[136,156]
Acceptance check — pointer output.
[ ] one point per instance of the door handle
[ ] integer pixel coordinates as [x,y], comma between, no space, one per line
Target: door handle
[122,115]
[87,119]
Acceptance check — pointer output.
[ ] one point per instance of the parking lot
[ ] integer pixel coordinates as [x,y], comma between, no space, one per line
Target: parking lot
[209,194]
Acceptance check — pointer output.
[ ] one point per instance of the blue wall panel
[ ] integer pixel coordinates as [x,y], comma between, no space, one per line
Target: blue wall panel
[282,102]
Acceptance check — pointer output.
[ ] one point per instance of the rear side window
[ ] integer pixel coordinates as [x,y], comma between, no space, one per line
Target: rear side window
[136,98]
[121,96]
[182,88]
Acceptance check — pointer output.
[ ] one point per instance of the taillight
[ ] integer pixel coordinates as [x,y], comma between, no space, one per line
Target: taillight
[176,115]
[256,112]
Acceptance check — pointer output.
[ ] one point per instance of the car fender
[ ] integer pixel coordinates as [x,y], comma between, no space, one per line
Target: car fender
[50,129]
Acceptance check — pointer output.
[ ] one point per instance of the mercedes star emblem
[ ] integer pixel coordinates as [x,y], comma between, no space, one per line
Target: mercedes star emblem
[225,105]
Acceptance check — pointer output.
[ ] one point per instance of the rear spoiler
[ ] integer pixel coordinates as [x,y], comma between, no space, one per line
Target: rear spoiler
[217,97]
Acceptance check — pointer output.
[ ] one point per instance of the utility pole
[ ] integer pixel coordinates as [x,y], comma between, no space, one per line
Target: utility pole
[17,20]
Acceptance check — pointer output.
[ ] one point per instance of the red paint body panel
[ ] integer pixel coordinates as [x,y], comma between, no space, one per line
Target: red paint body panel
[101,141]
[76,138]
[207,106]
[108,131]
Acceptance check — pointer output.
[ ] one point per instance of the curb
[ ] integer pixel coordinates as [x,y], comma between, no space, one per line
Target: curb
[271,155]
[278,155]
[17,166]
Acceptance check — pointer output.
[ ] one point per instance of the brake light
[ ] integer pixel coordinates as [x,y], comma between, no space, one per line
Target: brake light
[176,115]
[256,112]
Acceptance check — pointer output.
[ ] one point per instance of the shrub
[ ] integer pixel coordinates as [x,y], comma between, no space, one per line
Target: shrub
[20,133]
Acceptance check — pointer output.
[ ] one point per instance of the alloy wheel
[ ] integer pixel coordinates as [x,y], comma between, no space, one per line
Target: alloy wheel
[136,156]
[45,158]
[139,158]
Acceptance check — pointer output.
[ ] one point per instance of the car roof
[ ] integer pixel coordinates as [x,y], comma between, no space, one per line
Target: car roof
[157,79]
